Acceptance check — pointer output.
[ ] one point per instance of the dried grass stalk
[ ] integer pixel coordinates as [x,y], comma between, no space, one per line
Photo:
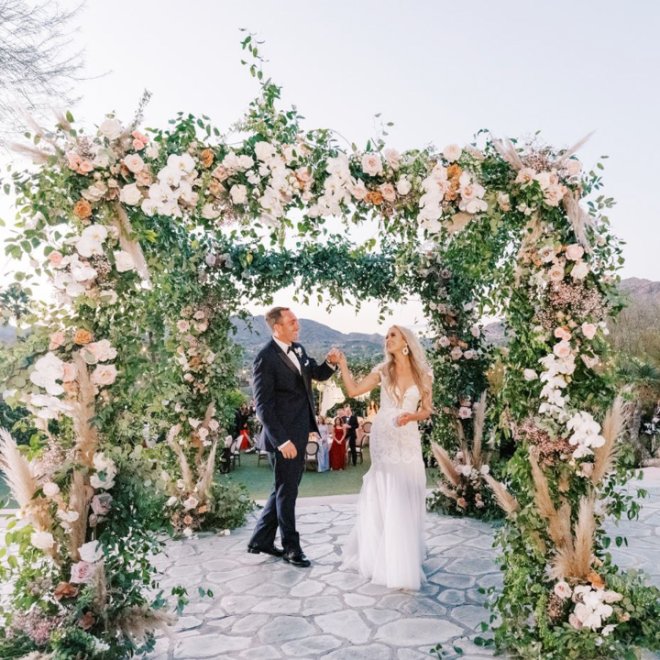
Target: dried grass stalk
[83,412]
[574,559]
[204,484]
[447,492]
[462,440]
[17,469]
[478,435]
[605,456]
[445,464]
[186,472]
[508,503]
[80,496]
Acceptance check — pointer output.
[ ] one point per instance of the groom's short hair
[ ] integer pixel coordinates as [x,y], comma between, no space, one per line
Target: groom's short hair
[274,315]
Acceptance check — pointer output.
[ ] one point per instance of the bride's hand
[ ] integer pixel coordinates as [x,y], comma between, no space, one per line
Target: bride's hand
[403,419]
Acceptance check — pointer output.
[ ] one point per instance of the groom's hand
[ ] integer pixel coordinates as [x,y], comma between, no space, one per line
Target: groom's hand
[288,449]
[333,356]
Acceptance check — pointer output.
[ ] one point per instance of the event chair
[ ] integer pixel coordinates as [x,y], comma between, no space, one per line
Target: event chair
[235,452]
[363,442]
[311,455]
[262,455]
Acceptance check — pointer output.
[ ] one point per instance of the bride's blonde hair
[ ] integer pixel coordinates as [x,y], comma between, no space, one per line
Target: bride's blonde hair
[421,371]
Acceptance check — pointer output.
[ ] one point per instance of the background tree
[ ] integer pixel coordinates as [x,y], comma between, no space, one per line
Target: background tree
[37,61]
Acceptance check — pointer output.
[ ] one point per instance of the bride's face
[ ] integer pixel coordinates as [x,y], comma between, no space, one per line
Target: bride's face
[394,341]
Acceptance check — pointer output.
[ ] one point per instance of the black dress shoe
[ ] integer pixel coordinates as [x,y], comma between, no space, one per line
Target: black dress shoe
[297,559]
[272,550]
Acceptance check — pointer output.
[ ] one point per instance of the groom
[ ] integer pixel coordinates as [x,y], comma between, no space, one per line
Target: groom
[282,382]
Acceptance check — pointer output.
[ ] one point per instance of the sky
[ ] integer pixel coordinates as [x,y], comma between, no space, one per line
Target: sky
[439,70]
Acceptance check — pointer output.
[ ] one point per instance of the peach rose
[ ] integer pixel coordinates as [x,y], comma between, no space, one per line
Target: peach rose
[82,337]
[573,167]
[86,166]
[82,209]
[562,333]
[375,197]
[206,158]
[556,273]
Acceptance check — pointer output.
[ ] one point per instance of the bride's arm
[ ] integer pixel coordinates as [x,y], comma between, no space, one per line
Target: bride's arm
[354,389]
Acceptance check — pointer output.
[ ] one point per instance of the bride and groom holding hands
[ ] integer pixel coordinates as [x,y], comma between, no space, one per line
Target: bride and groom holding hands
[386,545]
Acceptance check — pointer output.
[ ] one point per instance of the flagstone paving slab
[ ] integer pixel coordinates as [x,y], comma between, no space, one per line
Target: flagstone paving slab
[264,608]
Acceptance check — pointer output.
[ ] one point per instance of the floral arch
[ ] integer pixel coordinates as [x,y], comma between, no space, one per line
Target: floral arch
[153,239]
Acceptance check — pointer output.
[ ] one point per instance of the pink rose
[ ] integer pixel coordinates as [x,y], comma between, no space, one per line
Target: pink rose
[388,192]
[86,166]
[573,167]
[456,353]
[525,175]
[56,340]
[102,350]
[359,191]
[556,273]
[104,374]
[444,342]
[82,572]
[589,330]
[393,158]
[462,502]
[464,412]
[182,325]
[55,258]
[563,590]
[452,152]
[574,252]
[562,349]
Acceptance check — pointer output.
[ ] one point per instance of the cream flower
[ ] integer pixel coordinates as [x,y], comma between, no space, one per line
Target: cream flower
[111,128]
[393,158]
[90,552]
[91,240]
[124,262]
[563,590]
[530,374]
[372,164]
[452,152]
[50,489]
[574,252]
[190,503]
[134,163]
[580,270]
[42,540]
[130,195]
[403,186]
[238,194]
[102,350]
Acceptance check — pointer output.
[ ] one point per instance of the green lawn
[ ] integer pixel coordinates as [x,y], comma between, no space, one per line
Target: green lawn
[259,479]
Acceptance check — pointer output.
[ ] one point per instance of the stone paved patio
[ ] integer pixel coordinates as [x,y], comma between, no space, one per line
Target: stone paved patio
[264,608]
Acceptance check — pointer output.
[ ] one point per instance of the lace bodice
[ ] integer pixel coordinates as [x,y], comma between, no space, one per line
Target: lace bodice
[391,443]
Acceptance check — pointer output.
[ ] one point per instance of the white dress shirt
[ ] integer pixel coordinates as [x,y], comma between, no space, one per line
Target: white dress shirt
[290,354]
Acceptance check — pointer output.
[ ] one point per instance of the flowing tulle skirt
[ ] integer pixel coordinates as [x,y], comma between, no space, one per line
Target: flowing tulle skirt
[387,542]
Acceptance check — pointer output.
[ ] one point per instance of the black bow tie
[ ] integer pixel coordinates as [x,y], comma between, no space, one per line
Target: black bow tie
[290,349]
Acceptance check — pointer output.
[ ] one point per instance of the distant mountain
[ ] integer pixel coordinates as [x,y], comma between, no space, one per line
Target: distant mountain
[317,338]
[639,290]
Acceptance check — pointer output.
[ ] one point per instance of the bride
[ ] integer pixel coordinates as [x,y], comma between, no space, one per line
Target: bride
[387,544]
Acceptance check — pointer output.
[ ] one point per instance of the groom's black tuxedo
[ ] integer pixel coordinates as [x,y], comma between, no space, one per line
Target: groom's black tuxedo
[285,406]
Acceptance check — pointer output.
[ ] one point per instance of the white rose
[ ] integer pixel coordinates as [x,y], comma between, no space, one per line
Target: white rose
[90,552]
[42,540]
[50,489]
[238,193]
[111,128]
[403,186]
[172,501]
[134,163]
[372,164]
[452,152]
[130,195]
[104,374]
[264,151]
[123,261]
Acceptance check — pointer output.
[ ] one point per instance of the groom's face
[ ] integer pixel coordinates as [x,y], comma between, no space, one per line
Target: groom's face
[287,328]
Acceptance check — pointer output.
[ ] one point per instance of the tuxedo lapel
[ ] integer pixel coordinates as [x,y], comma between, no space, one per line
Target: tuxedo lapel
[282,355]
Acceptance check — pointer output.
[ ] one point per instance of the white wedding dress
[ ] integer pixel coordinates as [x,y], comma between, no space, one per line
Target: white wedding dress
[387,542]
